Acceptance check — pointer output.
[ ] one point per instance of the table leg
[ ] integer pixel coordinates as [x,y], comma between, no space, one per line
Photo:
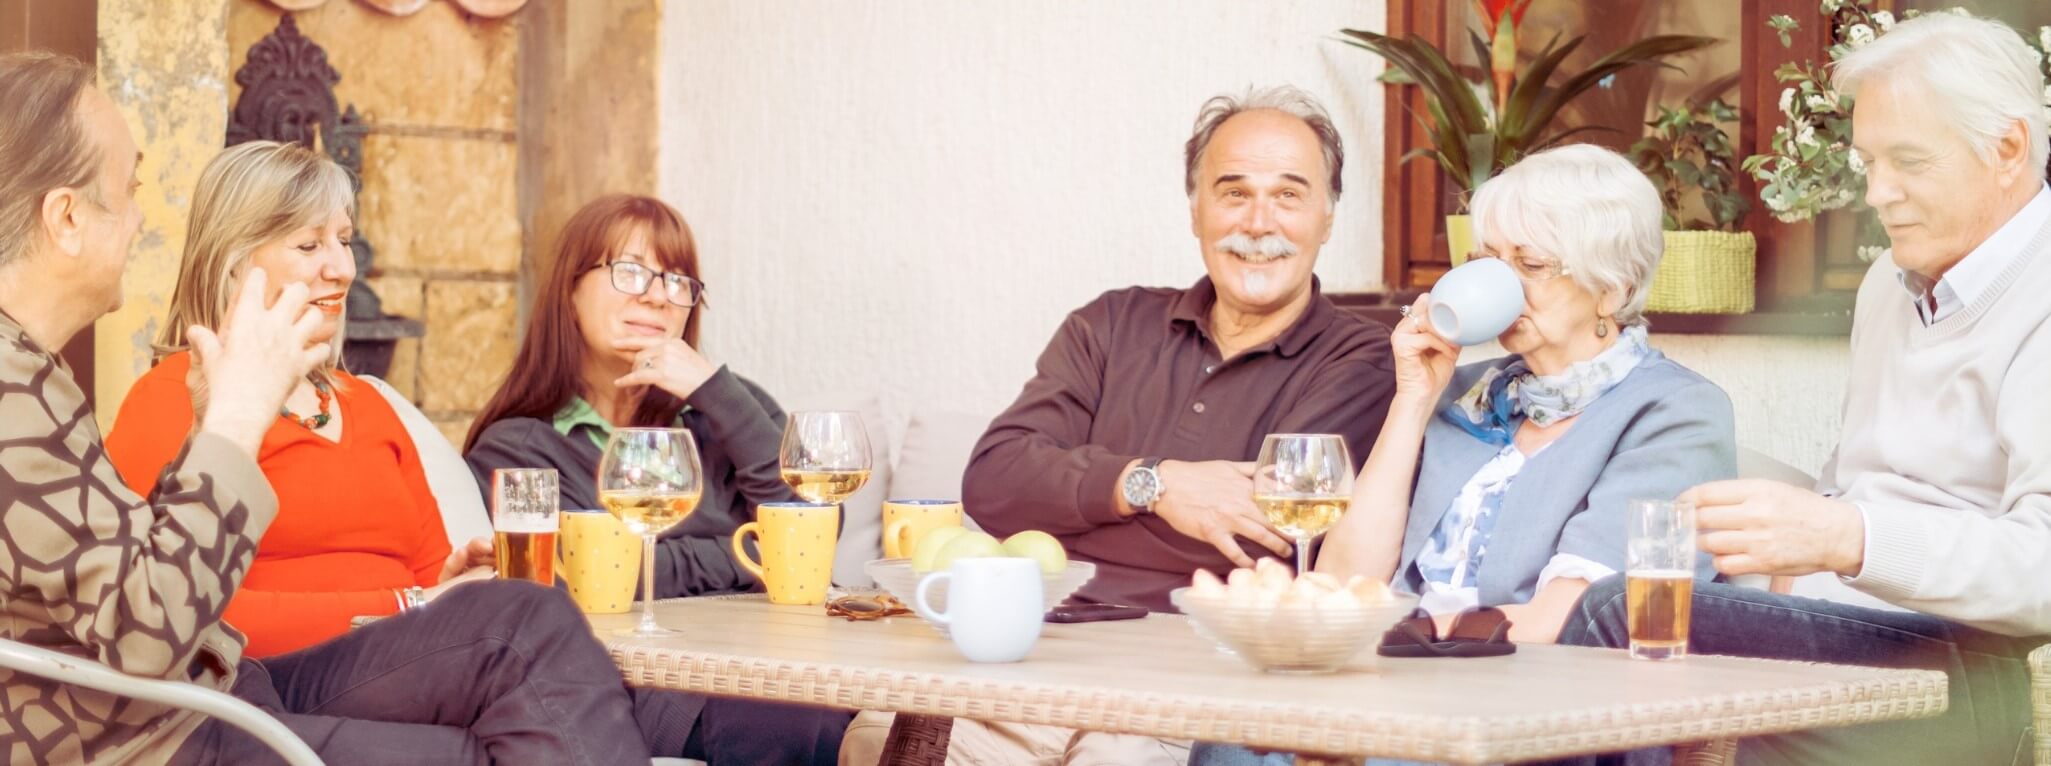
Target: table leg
[917,740]
[1309,759]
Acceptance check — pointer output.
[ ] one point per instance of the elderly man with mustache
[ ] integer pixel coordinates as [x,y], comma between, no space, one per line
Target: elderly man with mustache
[1134,442]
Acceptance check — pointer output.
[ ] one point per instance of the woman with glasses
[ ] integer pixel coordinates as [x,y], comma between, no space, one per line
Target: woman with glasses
[1503,483]
[612,343]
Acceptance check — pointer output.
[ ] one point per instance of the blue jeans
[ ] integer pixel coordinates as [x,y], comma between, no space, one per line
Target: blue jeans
[1987,722]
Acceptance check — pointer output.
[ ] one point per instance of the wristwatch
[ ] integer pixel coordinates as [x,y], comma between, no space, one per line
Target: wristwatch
[1143,486]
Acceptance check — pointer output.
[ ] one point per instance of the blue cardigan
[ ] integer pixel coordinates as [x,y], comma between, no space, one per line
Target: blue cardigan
[1659,431]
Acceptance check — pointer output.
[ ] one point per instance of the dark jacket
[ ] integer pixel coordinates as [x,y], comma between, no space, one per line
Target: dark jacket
[738,428]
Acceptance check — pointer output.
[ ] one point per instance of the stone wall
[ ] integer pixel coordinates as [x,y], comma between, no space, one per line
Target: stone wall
[439,91]
[163,63]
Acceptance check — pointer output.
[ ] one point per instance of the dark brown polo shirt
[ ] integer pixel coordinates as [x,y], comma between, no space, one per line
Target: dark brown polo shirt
[1134,374]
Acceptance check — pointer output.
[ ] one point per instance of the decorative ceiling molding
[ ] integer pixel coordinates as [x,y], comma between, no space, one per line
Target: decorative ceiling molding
[489,9]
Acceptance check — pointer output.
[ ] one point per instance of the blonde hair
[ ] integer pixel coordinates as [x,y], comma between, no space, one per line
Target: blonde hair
[251,194]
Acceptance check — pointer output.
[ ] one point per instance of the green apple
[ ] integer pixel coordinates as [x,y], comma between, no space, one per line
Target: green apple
[968,545]
[929,546]
[1038,546]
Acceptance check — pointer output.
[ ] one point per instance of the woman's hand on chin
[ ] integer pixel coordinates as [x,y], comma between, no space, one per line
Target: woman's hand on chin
[666,363]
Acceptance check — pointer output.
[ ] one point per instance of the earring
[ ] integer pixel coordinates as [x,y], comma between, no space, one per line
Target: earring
[1601,327]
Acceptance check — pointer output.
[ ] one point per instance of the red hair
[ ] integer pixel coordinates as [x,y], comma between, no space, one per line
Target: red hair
[547,370]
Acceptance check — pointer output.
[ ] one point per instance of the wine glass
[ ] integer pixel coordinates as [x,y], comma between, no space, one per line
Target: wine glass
[650,479]
[825,455]
[1303,483]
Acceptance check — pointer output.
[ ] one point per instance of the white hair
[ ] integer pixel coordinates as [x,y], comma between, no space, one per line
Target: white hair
[1977,73]
[1587,206]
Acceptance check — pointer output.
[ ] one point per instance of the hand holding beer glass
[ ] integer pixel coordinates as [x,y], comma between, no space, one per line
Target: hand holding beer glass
[650,479]
[524,522]
[1659,577]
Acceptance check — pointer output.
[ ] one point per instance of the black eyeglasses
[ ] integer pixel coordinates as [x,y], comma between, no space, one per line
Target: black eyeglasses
[634,279]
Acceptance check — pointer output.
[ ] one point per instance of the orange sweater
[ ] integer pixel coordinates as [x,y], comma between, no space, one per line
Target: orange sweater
[355,518]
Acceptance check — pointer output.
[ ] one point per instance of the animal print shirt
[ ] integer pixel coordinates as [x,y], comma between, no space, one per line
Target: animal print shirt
[87,568]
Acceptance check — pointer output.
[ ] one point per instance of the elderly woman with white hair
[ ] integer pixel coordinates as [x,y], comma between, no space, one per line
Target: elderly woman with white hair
[1503,483]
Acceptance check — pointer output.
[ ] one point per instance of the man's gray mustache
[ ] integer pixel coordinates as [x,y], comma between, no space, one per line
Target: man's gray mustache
[1267,248]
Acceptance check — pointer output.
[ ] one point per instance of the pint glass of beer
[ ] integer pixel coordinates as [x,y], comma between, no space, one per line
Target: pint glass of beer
[524,522]
[1659,578]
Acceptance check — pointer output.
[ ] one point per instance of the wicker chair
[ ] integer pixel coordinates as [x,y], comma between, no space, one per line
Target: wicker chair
[2040,701]
[73,671]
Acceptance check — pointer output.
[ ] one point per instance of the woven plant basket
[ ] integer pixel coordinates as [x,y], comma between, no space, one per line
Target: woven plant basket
[1704,272]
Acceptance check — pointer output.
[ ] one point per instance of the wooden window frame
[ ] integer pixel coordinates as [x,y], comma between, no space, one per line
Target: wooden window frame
[1793,292]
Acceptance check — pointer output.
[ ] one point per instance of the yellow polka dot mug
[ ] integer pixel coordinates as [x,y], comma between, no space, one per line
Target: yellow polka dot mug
[796,541]
[600,560]
[906,522]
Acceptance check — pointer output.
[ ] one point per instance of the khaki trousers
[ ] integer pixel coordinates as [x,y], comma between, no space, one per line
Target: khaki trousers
[986,743]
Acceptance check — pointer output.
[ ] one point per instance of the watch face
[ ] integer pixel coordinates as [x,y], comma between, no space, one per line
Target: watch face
[1141,486]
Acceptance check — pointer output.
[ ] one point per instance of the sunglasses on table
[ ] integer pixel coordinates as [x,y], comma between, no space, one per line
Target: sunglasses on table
[1483,632]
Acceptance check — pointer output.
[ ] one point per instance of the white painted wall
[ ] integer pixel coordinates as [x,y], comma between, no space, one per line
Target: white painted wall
[906,197]
[909,196]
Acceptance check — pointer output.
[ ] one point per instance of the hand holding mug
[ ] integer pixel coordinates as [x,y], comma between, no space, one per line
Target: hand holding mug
[1424,361]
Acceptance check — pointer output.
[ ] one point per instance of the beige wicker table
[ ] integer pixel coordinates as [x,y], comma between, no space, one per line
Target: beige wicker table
[1155,677]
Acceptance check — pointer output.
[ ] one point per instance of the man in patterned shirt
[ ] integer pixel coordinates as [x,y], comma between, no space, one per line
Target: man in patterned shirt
[510,671]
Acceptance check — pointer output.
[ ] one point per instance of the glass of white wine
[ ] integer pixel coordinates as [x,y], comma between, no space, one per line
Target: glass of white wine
[825,455]
[650,479]
[1303,483]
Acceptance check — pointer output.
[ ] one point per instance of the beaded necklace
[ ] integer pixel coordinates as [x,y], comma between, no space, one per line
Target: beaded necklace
[319,420]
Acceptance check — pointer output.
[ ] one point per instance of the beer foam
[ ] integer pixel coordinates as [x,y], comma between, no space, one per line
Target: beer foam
[526,523]
[1660,574]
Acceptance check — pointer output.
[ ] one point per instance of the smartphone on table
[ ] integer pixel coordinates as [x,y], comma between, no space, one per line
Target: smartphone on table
[1068,613]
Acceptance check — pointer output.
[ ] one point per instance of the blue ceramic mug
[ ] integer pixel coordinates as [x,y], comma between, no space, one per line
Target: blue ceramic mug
[1476,302]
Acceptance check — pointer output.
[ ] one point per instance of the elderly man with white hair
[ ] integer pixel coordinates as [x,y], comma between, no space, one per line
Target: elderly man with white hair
[1938,500]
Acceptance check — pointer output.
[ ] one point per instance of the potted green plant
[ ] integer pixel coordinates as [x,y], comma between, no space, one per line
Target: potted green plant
[1808,167]
[1709,263]
[1473,137]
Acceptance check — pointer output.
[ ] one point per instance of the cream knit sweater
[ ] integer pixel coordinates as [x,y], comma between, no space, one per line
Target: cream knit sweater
[1947,448]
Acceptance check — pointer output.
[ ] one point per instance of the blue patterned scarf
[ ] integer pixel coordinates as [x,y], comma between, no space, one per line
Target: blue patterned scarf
[1490,409]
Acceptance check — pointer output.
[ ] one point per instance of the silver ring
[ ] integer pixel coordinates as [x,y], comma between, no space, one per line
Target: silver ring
[1404,310]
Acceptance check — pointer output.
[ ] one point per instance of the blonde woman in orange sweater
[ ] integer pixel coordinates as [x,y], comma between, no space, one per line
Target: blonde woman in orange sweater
[358,527]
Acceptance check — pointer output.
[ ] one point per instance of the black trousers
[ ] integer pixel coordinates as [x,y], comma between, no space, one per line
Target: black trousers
[497,672]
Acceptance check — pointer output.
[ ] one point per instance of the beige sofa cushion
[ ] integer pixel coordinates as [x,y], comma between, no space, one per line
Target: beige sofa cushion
[935,454]
[464,516]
